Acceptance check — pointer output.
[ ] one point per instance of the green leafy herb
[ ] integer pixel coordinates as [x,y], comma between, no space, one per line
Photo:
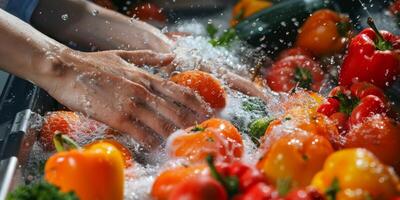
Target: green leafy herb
[333,189]
[224,39]
[198,128]
[42,191]
[230,183]
[343,28]
[283,185]
[211,30]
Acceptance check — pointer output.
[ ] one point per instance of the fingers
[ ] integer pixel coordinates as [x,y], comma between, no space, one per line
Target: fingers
[146,57]
[161,95]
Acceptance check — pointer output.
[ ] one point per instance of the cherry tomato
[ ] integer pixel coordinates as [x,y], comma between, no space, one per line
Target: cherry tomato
[214,136]
[331,106]
[368,106]
[295,71]
[199,188]
[381,136]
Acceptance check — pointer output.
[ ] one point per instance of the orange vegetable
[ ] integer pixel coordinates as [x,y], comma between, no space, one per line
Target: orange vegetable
[96,172]
[296,157]
[217,137]
[246,8]
[167,181]
[205,85]
[381,136]
[125,152]
[356,174]
[324,33]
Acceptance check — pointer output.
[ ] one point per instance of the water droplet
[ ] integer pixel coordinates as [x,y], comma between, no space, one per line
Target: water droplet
[64,17]
[95,12]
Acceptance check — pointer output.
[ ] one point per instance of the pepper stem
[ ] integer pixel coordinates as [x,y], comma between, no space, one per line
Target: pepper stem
[230,183]
[382,44]
[61,140]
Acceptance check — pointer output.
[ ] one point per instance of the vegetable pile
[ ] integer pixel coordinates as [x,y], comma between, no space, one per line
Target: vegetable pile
[341,144]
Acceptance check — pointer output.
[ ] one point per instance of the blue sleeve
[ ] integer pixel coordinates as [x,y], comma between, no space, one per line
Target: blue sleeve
[22,9]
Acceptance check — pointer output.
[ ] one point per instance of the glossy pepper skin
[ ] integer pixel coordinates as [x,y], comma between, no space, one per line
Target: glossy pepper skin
[96,172]
[371,57]
[324,33]
[352,174]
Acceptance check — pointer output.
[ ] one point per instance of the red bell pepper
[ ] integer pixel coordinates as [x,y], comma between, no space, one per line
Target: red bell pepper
[348,107]
[373,56]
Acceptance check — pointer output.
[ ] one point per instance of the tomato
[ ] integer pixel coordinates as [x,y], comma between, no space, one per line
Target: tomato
[105,3]
[199,188]
[395,7]
[260,191]
[297,152]
[381,136]
[294,51]
[295,71]
[368,106]
[168,180]
[148,12]
[356,174]
[205,85]
[325,32]
[217,137]
[330,107]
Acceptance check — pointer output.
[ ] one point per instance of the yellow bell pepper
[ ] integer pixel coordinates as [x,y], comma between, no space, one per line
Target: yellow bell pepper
[96,172]
[356,174]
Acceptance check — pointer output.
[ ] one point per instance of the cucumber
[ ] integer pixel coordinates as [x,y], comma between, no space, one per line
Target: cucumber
[276,28]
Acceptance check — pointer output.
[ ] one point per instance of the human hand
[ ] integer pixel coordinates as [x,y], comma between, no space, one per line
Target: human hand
[109,87]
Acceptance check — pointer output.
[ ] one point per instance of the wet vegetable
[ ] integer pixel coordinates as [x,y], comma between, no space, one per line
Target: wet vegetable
[372,57]
[356,174]
[215,136]
[205,85]
[42,191]
[84,171]
[325,32]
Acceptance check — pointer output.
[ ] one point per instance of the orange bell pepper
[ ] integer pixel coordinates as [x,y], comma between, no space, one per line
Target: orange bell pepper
[356,174]
[324,33]
[246,8]
[96,172]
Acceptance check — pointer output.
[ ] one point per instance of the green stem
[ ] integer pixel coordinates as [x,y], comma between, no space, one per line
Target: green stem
[231,183]
[61,140]
[382,44]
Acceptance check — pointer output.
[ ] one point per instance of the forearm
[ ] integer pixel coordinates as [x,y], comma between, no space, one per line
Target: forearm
[25,51]
[93,27]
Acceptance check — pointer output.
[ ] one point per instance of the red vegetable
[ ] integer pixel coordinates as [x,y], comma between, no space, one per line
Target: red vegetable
[199,188]
[350,107]
[260,191]
[292,71]
[305,194]
[372,57]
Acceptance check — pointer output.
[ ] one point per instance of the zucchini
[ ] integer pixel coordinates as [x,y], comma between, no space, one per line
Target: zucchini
[276,27]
